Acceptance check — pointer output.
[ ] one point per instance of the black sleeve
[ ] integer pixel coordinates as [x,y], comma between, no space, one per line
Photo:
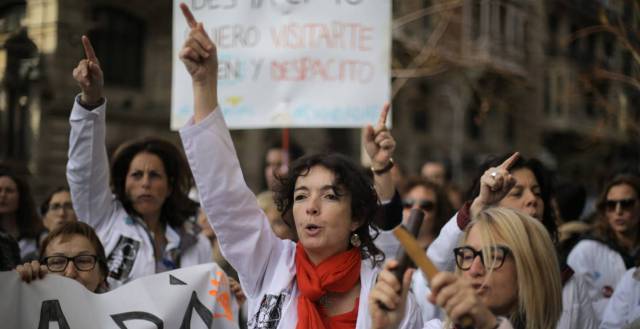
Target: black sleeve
[390,215]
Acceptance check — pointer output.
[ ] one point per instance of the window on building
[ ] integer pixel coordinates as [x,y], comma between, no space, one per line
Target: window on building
[11,14]
[547,94]
[426,21]
[552,24]
[510,126]
[420,120]
[504,26]
[476,17]
[472,119]
[119,43]
[574,45]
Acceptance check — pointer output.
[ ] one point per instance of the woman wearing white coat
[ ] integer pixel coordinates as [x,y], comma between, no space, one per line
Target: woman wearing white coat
[525,185]
[615,243]
[507,276]
[323,280]
[624,306]
[143,222]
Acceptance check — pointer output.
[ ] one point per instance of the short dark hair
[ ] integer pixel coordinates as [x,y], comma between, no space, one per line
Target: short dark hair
[44,206]
[364,199]
[69,229]
[177,208]
[295,150]
[543,176]
[29,223]
[570,199]
[444,210]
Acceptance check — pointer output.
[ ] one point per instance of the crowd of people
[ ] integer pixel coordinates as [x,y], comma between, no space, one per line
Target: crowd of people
[315,250]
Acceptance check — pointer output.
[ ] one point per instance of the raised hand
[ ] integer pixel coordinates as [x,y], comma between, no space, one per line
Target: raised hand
[200,58]
[378,141]
[89,75]
[495,184]
[31,271]
[458,298]
[392,295]
[236,289]
[198,52]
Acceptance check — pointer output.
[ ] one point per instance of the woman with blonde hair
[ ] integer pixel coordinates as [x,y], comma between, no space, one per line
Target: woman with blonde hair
[514,283]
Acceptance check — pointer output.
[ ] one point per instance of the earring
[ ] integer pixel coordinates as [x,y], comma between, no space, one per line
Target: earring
[355,240]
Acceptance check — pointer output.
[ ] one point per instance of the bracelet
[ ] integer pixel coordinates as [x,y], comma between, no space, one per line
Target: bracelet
[89,107]
[383,169]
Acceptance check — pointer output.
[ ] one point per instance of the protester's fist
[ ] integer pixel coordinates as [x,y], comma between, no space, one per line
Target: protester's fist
[378,141]
[89,75]
[495,184]
[236,289]
[198,52]
[459,300]
[388,292]
[31,271]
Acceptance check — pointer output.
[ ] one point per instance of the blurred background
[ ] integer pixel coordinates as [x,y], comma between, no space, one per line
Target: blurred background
[554,79]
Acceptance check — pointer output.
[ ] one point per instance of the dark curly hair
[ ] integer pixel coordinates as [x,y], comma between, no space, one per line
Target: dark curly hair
[177,208]
[27,219]
[364,199]
[543,176]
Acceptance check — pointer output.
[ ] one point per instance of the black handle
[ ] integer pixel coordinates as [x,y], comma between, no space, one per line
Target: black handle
[416,216]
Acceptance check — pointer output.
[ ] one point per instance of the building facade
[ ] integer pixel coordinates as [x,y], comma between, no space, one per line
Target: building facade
[470,78]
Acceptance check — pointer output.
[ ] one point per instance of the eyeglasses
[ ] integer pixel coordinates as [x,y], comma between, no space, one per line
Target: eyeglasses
[625,204]
[426,205]
[58,206]
[466,255]
[81,262]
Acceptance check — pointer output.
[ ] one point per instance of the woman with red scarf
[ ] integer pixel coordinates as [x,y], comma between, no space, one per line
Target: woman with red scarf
[324,279]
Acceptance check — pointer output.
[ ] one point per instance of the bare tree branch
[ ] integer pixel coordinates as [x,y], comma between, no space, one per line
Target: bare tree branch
[418,73]
[427,51]
[600,73]
[401,21]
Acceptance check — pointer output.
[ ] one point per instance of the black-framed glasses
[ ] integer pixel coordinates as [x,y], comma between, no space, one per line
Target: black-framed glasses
[426,205]
[466,255]
[625,204]
[81,262]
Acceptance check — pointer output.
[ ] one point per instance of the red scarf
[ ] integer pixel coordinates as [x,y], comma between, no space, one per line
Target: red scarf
[338,273]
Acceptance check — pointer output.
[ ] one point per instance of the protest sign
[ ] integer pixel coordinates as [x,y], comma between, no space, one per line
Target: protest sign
[291,63]
[193,297]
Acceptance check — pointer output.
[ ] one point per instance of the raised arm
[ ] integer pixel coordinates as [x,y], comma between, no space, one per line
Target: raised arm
[243,231]
[87,169]
[380,145]
[200,58]
[495,184]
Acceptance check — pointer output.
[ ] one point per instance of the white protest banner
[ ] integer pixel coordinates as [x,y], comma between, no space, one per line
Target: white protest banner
[291,63]
[193,297]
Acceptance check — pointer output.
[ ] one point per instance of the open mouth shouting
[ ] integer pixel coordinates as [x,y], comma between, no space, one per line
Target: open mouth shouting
[312,229]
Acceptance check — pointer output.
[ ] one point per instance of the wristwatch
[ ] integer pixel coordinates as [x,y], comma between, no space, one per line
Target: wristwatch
[383,169]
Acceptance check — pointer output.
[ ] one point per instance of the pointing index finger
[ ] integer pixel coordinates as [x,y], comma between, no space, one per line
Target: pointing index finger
[88,49]
[510,161]
[191,21]
[382,120]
